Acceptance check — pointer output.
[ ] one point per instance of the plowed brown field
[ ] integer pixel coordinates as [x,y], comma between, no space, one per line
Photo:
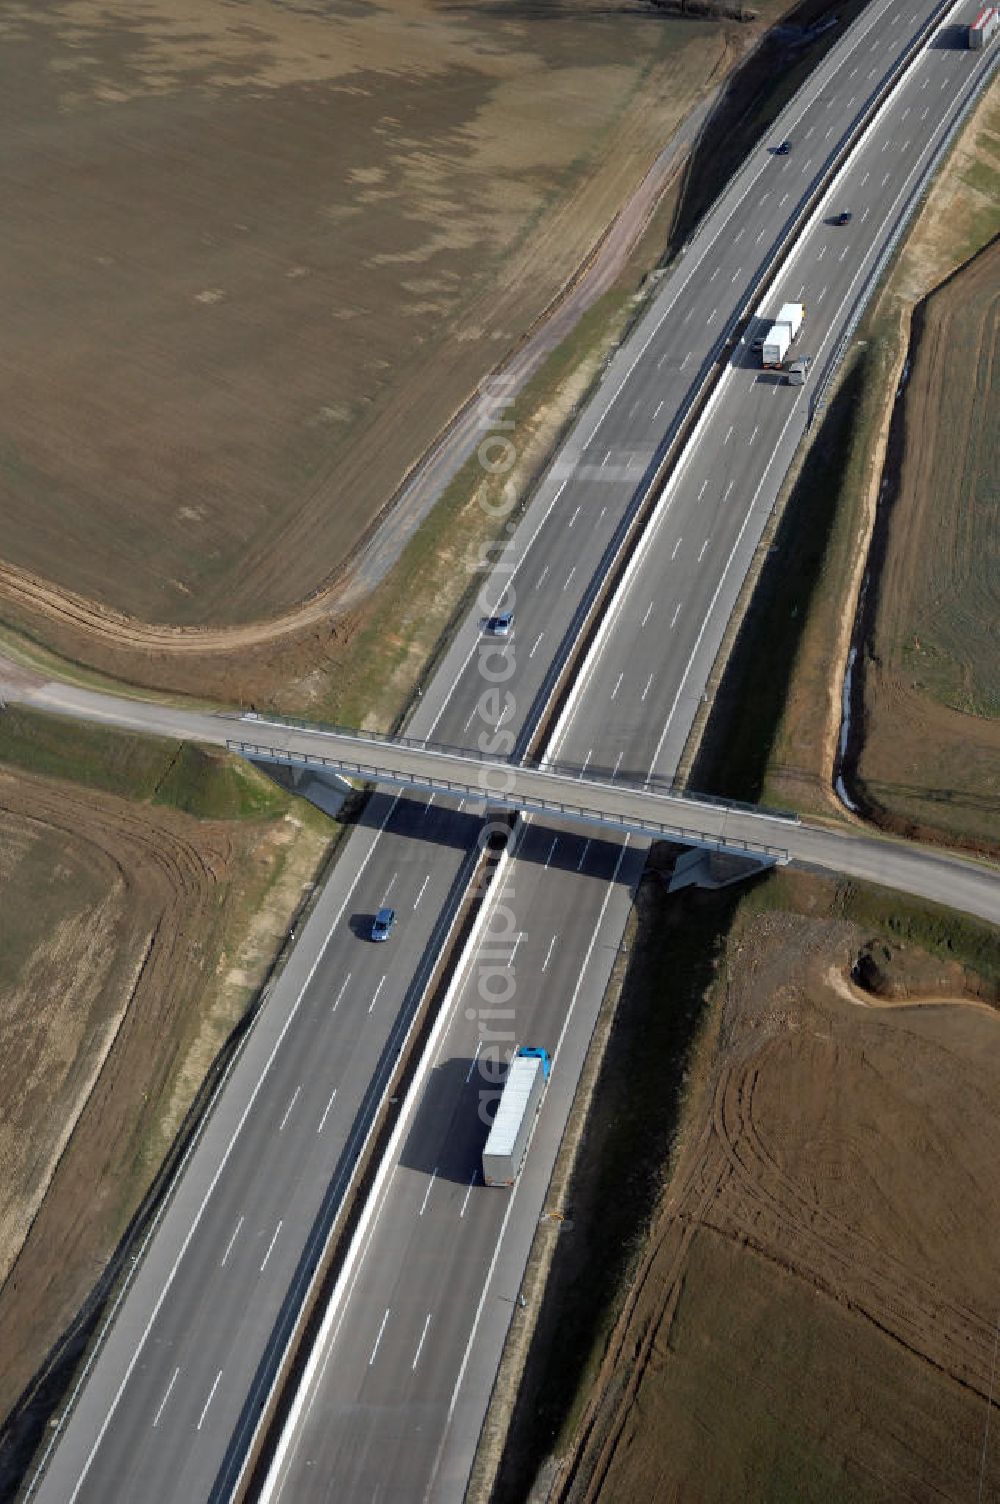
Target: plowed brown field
[815,1314]
[258,256]
[130,940]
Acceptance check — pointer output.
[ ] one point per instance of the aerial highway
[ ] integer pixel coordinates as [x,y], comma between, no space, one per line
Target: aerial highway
[367,1417]
[174,1392]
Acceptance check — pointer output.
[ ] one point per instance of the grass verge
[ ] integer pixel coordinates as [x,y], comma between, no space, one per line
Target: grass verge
[199,781]
[753,746]
[943,933]
[20,647]
[772,731]
[406,625]
[129,984]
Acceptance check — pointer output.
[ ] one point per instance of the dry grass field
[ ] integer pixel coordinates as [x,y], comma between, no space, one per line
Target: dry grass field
[257,255]
[132,935]
[813,1314]
[928,750]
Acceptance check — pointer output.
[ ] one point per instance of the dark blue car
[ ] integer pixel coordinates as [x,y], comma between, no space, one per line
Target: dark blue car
[383,923]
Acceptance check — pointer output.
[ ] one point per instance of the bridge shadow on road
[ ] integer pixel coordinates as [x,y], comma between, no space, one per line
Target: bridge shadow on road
[446,825]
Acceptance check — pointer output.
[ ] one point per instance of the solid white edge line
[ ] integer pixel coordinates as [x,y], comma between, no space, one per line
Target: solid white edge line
[675,295]
[283,1443]
[273,1483]
[561,727]
[718,590]
[482,1300]
[692,268]
[198,1139]
[660,509]
[518,1183]
[913,175]
[117,1398]
[661,506]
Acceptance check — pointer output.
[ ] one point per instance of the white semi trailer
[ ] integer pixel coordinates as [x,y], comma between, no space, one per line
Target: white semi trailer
[778,339]
[984,27]
[511,1127]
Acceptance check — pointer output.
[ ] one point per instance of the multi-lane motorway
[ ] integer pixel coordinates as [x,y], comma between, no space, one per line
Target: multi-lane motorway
[394,1406]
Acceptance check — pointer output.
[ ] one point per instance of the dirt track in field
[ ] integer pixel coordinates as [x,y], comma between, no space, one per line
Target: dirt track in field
[814,1314]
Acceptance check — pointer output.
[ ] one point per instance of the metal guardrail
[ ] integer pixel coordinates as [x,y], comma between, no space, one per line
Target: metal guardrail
[817,402]
[835,158]
[774,128]
[595,773]
[561,808]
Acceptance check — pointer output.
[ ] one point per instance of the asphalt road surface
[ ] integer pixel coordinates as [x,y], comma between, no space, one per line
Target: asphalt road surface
[176,1388]
[609,809]
[391,1409]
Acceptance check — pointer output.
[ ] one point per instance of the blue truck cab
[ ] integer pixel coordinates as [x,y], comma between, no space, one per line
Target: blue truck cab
[534,1052]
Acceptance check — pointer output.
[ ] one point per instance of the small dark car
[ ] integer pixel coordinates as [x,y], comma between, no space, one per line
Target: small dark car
[499,626]
[843,218]
[783,149]
[383,923]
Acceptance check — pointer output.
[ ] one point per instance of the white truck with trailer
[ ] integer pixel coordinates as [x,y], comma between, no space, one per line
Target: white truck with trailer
[778,339]
[515,1115]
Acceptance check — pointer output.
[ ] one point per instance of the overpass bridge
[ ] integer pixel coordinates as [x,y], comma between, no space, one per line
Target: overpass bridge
[617,806]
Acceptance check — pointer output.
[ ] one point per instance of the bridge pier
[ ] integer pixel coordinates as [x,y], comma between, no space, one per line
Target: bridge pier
[701,868]
[326,790]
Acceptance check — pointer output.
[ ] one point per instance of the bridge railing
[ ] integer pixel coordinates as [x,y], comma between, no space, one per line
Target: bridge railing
[824,382]
[561,808]
[593,772]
